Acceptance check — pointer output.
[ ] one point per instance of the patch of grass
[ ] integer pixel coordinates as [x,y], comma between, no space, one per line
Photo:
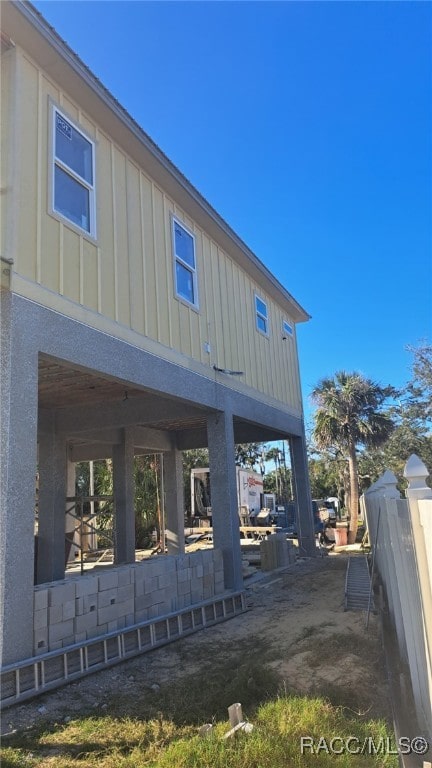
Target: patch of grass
[275,742]
[16,758]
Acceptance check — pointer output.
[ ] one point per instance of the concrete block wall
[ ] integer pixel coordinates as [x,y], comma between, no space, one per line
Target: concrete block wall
[79,608]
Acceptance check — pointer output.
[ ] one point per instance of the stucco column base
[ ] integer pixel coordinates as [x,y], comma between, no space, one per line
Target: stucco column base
[226,533]
[305,523]
[174,506]
[124,498]
[18,436]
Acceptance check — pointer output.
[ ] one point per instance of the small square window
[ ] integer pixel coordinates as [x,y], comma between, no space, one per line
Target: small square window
[73,187]
[184,264]
[287,329]
[261,315]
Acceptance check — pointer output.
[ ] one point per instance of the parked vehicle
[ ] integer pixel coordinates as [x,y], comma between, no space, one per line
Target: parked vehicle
[255,507]
[326,511]
[319,524]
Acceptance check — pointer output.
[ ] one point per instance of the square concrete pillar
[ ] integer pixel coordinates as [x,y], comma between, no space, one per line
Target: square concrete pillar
[226,533]
[18,443]
[174,502]
[124,498]
[52,504]
[72,531]
[302,493]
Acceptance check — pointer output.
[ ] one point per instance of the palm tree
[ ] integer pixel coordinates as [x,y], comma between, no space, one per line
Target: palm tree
[349,416]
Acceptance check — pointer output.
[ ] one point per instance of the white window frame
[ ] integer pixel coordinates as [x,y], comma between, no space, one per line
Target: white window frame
[287,330]
[55,161]
[260,316]
[178,260]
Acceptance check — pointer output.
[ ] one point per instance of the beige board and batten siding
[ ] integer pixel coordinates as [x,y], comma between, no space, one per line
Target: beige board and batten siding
[122,282]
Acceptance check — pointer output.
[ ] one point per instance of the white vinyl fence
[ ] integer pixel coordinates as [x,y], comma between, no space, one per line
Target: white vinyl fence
[400,532]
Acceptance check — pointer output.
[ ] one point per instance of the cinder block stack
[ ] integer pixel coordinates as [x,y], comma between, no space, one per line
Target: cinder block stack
[276,552]
[80,608]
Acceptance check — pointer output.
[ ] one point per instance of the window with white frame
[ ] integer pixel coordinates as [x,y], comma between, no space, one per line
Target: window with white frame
[287,330]
[261,315]
[73,182]
[185,264]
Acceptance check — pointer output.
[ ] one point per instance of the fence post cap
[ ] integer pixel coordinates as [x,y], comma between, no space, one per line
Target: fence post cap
[388,478]
[415,472]
[388,484]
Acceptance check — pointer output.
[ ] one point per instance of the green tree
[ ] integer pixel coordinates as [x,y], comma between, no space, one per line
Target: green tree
[248,455]
[279,482]
[195,457]
[419,389]
[350,415]
[411,413]
[147,471]
[323,475]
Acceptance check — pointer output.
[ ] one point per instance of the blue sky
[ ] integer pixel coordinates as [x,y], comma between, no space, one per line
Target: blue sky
[308,127]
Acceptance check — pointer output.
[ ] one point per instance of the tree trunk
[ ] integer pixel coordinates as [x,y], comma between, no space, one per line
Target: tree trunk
[354,495]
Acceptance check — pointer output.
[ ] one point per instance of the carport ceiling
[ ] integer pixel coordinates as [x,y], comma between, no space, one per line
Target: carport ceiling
[64,387]
[61,386]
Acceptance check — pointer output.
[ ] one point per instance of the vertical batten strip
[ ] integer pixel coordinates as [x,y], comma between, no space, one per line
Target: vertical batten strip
[235,321]
[204,316]
[293,388]
[274,332]
[99,286]
[81,248]
[81,270]
[114,222]
[216,305]
[222,349]
[98,250]
[191,314]
[236,318]
[61,258]
[128,240]
[155,250]
[251,329]
[144,255]
[39,180]
[247,328]
[167,252]
[176,304]
[14,170]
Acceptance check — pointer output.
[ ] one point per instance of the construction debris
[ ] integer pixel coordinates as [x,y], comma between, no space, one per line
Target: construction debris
[236,720]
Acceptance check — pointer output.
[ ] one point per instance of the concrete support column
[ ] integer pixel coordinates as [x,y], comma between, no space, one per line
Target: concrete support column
[305,523]
[226,534]
[71,522]
[124,498]
[18,443]
[174,502]
[52,502]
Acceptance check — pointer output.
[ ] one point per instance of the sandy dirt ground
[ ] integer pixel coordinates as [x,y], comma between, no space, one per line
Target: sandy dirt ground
[296,614]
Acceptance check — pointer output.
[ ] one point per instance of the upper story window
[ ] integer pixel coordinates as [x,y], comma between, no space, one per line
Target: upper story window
[287,330]
[73,183]
[185,264]
[261,315]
